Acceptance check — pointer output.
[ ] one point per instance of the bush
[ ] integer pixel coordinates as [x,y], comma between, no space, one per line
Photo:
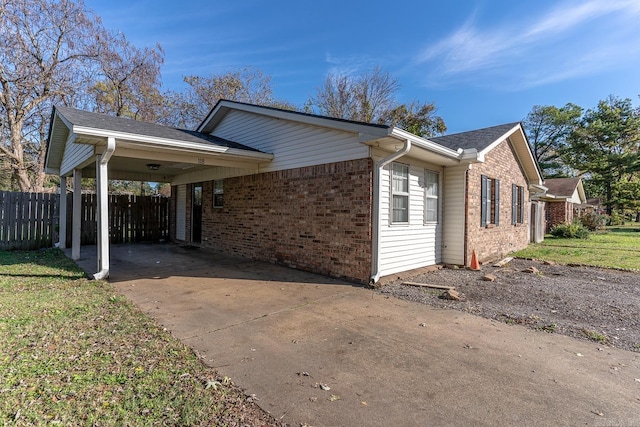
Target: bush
[616,219]
[593,221]
[570,231]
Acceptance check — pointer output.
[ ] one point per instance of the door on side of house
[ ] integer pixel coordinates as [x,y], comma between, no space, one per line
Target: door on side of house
[196,216]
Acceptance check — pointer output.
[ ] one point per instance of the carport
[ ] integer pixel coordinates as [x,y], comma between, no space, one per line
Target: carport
[89,145]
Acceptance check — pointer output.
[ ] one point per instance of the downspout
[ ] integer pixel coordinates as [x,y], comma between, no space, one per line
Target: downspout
[103,209]
[375,229]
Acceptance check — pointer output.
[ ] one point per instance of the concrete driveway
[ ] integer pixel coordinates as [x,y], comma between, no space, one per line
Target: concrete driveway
[386,361]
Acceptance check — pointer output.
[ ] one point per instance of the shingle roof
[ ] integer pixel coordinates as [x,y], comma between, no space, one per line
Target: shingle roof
[561,187]
[478,139]
[294,113]
[125,125]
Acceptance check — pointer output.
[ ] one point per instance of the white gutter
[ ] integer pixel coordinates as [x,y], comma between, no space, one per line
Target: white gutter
[375,229]
[103,209]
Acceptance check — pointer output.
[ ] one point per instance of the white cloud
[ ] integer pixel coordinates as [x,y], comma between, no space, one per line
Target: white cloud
[567,41]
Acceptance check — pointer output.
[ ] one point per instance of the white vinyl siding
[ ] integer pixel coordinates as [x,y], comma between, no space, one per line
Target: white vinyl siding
[453,227]
[74,156]
[181,212]
[415,243]
[293,145]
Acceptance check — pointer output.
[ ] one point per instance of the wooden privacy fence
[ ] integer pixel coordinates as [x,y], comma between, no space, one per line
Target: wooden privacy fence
[131,219]
[30,220]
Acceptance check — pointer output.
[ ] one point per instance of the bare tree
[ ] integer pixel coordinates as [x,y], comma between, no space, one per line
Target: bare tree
[362,98]
[129,79]
[370,97]
[43,46]
[187,109]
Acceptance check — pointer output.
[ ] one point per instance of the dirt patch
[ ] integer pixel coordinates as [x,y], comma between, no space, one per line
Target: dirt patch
[583,302]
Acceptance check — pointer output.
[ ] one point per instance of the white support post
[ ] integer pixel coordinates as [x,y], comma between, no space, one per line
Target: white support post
[62,220]
[102,215]
[77,213]
[102,190]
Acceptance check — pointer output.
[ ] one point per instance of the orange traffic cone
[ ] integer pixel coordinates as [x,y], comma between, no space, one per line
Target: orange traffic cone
[475,265]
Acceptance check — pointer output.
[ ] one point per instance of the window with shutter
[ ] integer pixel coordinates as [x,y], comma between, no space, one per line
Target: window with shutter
[490,201]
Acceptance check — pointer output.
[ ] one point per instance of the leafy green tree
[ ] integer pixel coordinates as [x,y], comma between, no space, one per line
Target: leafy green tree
[419,119]
[605,146]
[548,128]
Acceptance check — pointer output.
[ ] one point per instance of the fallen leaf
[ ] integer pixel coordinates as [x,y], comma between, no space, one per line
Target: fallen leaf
[364,403]
[334,397]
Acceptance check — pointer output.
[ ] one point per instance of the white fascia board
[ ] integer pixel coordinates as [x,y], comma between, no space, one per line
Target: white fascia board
[495,143]
[538,177]
[424,143]
[171,143]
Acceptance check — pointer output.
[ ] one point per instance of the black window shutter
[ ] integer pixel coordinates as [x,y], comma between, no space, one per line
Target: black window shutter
[483,201]
[522,204]
[514,204]
[496,199]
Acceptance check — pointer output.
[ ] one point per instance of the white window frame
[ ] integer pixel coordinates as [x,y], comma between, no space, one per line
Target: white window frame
[218,190]
[399,193]
[428,197]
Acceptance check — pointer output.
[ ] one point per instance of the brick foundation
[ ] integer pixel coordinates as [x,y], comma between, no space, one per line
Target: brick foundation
[316,218]
[495,241]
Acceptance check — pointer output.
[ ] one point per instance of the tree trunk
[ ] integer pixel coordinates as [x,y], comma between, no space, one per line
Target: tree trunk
[17,161]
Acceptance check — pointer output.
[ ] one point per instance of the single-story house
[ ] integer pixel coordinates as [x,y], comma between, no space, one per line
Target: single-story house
[337,197]
[565,199]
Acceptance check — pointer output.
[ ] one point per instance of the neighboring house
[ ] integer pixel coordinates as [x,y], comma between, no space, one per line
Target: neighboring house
[565,199]
[336,197]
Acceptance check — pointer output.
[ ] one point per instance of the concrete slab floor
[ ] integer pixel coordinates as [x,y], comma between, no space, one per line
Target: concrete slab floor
[386,361]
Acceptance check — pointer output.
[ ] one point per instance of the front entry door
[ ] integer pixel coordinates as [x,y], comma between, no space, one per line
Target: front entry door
[196,214]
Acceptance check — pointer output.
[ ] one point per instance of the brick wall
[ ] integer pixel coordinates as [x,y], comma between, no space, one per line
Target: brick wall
[560,212]
[495,241]
[316,218]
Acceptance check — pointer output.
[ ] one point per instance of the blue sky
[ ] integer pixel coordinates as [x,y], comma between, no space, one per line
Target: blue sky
[483,62]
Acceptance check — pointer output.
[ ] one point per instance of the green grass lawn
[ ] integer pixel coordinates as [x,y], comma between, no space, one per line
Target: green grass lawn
[73,352]
[616,247]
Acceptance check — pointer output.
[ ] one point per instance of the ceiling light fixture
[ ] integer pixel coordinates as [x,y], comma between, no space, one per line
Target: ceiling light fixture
[153,166]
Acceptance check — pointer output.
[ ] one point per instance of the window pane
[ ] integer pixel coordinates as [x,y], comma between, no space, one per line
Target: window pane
[400,208]
[218,193]
[400,179]
[432,210]
[432,183]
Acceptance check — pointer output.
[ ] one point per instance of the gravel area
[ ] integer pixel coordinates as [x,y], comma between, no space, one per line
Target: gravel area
[583,302]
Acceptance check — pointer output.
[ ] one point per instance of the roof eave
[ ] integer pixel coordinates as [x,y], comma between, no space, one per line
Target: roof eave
[423,143]
[174,144]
